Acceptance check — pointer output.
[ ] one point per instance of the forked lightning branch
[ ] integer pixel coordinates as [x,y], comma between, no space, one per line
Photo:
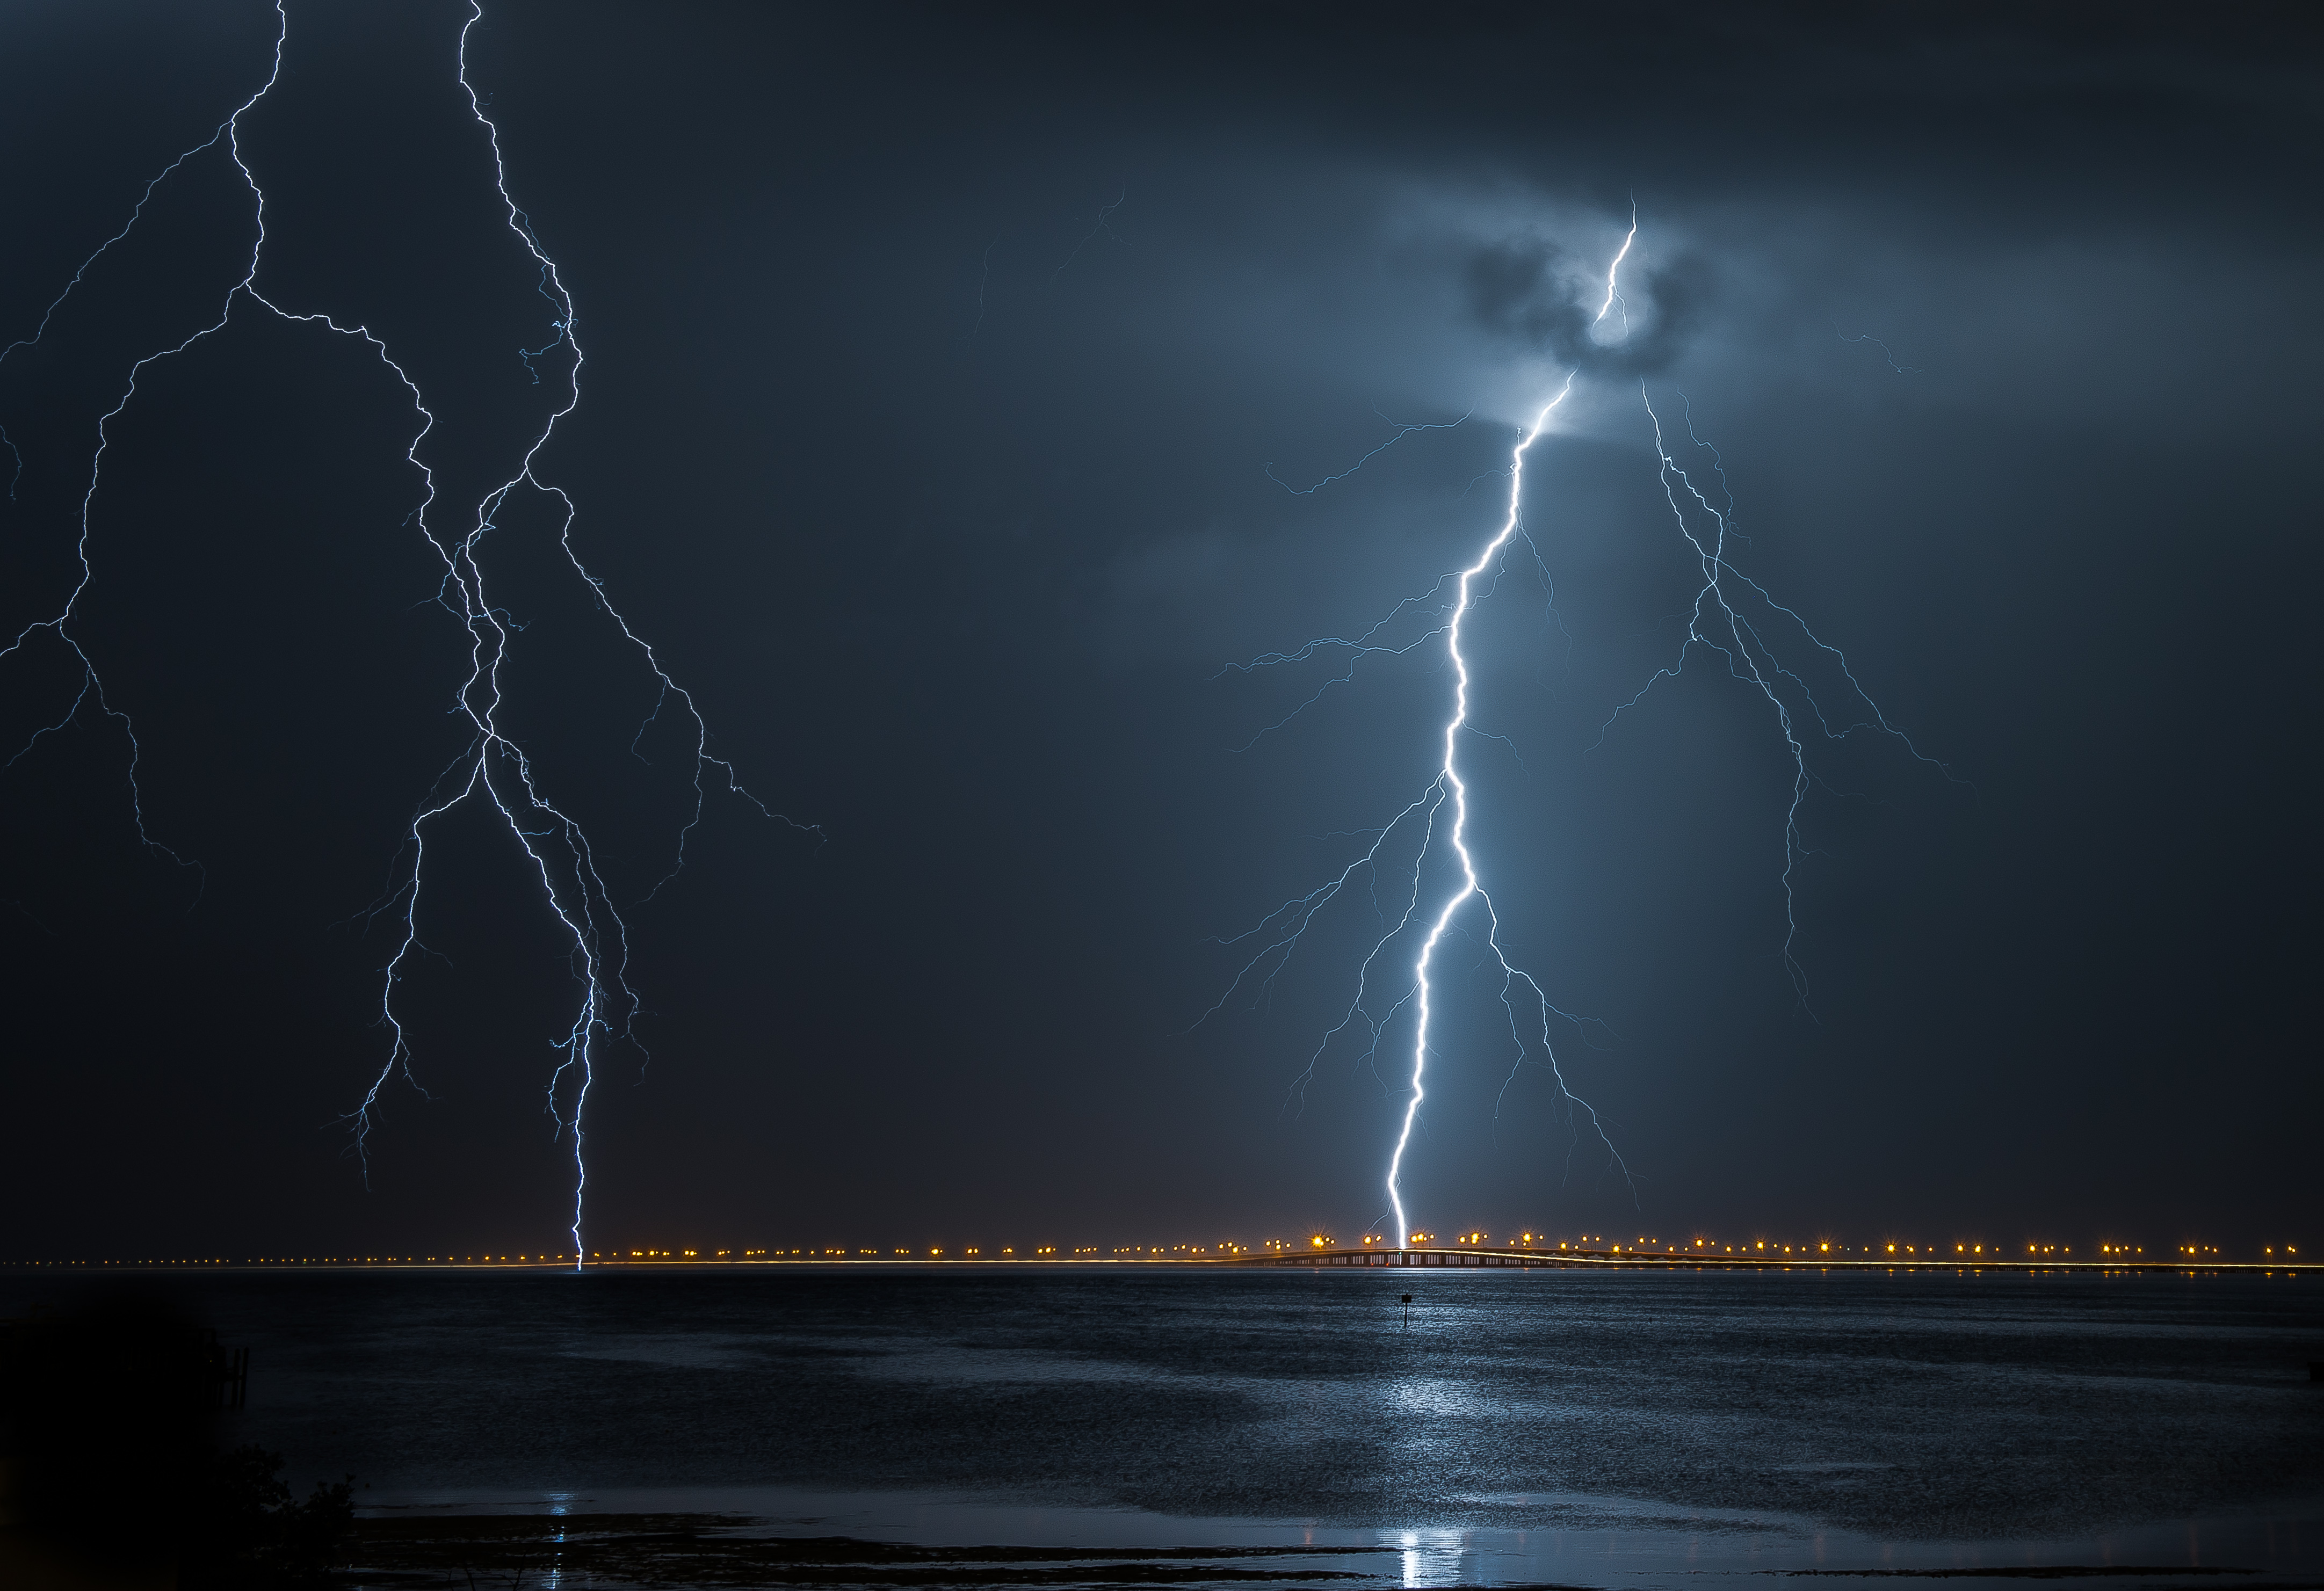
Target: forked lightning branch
[493,770]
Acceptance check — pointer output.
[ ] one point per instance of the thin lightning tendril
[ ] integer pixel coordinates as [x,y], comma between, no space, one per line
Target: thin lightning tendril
[1886,352]
[1103,224]
[493,766]
[1402,431]
[1714,623]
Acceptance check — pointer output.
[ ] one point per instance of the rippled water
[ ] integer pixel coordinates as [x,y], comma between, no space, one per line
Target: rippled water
[1778,1414]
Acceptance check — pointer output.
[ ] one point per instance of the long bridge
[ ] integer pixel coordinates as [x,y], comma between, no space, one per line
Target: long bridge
[1480,1257]
[1335,1257]
[1320,1256]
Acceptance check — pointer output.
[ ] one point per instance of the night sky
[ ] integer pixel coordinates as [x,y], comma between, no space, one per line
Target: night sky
[948,379]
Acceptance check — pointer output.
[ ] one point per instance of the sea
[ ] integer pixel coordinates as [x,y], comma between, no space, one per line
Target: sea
[1631,1427]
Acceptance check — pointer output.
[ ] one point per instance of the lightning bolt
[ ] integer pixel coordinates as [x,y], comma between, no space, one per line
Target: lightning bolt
[1449,782]
[1614,278]
[1719,623]
[1748,648]
[1282,929]
[492,768]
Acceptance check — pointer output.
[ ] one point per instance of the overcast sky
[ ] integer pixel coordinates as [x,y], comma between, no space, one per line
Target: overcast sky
[961,399]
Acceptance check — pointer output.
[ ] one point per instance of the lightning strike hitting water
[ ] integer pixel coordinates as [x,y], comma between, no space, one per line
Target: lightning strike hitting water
[1743,640]
[1449,779]
[493,766]
[1284,927]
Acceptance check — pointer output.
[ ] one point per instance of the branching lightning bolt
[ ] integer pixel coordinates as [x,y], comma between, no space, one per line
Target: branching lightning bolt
[1449,780]
[1714,622]
[1282,929]
[493,766]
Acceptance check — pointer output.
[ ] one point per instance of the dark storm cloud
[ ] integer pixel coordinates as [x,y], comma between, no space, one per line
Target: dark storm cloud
[1529,290]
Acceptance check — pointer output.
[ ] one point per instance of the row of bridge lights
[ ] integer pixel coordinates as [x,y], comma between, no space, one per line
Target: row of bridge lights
[1708,1246]
[1230,1250]
[1221,1250]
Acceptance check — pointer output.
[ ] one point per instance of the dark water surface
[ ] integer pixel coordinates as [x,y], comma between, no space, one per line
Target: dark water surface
[1770,1419]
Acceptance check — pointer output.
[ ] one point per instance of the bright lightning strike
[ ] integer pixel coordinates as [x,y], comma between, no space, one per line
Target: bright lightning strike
[492,768]
[1732,616]
[1448,778]
[1613,285]
[1282,929]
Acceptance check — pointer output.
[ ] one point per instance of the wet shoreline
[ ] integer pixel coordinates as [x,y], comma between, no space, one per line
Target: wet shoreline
[737,1537]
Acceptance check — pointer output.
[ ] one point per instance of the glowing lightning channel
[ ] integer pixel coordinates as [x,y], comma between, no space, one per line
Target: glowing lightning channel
[1746,643]
[1449,779]
[1281,930]
[493,765]
[1613,291]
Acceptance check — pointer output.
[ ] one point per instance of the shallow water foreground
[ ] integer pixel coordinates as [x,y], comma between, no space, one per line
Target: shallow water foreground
[792,1538]
[1633,1428]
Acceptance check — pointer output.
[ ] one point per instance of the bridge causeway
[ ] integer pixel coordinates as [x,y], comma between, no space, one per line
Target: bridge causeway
[1466,1257]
